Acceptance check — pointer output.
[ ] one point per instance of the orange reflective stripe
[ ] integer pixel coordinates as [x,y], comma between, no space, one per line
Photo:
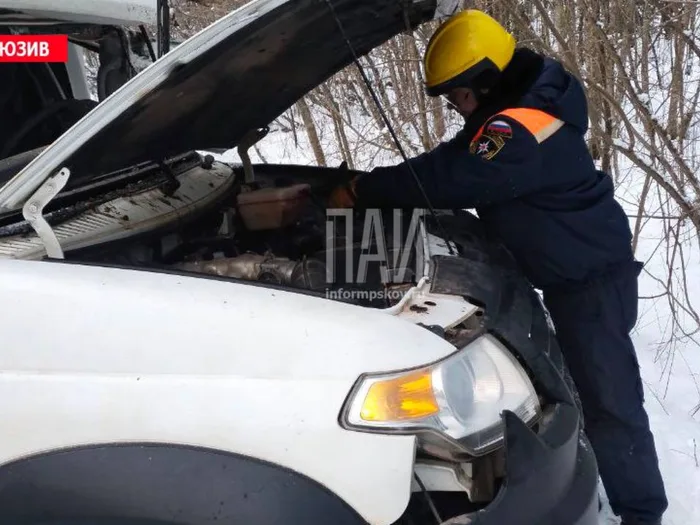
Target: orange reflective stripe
[540,124]
[479,133]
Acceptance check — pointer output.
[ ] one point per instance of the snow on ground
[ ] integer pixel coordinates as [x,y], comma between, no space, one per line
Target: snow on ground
[671,397]
[670,372]
[676,432]
[671,378]
[671,382]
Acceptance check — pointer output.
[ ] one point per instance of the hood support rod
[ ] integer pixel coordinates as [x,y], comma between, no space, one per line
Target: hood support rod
[33,212]
[448,239]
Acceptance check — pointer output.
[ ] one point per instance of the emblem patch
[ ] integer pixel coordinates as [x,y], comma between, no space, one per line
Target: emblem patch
[487,145]
[500,127]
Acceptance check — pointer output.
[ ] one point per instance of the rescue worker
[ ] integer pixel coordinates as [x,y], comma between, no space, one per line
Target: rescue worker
[522,162]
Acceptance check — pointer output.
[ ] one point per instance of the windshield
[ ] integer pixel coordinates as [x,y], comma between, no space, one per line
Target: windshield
[39,102]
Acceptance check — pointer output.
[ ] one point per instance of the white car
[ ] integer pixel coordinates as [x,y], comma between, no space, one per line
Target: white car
[181,344]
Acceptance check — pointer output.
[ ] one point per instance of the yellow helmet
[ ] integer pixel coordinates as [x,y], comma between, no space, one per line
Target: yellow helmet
[470,49]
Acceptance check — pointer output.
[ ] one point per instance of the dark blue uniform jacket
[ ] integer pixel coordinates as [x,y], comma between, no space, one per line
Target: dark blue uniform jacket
[546,201]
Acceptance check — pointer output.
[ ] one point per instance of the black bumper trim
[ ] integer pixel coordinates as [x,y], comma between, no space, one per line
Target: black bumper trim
[551,474]
[552,477]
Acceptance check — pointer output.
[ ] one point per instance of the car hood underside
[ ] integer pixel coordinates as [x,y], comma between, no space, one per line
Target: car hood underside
[246,80]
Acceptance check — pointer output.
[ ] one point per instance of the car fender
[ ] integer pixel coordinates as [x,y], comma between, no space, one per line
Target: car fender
[165,483]
[97,355]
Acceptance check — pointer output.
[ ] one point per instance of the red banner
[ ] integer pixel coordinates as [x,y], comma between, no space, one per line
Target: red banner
[33,48]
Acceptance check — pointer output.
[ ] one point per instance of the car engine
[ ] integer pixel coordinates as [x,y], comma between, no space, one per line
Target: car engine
[209,218]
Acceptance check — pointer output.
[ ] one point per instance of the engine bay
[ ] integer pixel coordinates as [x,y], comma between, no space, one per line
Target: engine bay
[267,224]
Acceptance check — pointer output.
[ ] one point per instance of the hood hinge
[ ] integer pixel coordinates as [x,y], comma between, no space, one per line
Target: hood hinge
[33,212]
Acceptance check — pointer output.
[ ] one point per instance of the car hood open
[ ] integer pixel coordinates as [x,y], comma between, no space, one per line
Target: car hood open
[238,74]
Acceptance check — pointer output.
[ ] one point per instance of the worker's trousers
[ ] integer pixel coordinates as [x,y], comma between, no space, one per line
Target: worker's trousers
[593,322]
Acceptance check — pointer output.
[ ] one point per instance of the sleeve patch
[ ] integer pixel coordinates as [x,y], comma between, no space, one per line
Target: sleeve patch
[500,127]
[487,145]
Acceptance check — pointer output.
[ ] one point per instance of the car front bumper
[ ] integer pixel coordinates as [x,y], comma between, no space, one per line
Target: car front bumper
[551,479]
[551,475]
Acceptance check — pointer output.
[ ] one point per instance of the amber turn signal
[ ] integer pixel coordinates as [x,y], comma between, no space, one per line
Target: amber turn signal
[405,397]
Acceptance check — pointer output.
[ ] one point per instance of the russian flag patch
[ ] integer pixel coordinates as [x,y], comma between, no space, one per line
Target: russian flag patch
[500,127]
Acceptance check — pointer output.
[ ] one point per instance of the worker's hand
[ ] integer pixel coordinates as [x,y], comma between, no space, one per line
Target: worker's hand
[343,195]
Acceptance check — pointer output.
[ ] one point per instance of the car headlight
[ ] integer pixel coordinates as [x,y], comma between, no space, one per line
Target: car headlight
[460,398]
